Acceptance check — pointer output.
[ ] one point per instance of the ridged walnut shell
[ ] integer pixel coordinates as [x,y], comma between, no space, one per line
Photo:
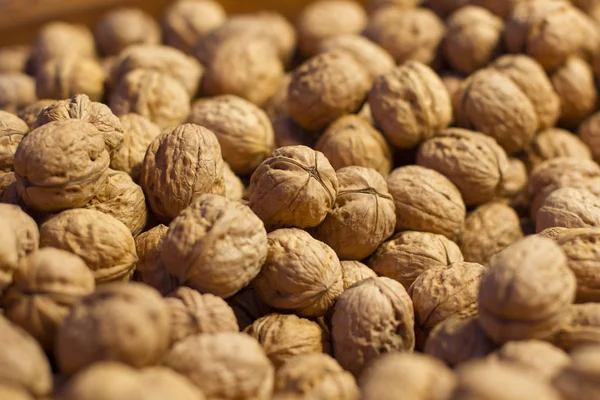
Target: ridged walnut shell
[125,27]
[580,379]
[570,208]
[12,131]
[60,39]
[30,113]
[17,90]
[555,143]
[150,268]
[234,187]
[65,77]
[354,272]
[580,326]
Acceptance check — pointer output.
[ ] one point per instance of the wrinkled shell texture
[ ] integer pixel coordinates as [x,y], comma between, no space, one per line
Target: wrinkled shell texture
[243,130]
[285,336]
[195,313]
[180,165]
[426,201]
[213,362]
[410,103]
[372,317]
[103,242]
[580,379]
[579,326]
[489,229]
[150,268]
[295,186]
[409,253]
[300,274]
[12,131]
[66,77]
[555,143]
[589,133]
[30,113]
[60,39]
[525,291]
[215,246]
[472,161]
[355,271]
[515,178]
[125,27]
[234,187]
[17,90]
[569,208]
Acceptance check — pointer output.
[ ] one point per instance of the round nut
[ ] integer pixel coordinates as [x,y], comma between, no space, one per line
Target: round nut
[276,107]
[66,77]
[150,268]
[589,133]
[515,178]
[579,380]
[60,39]
[248,306]
[569,208]
[12,131]
[17,90]
[14,59]
[125,27]
[555,143]
[579,327]
[355,271]
[30,113]
[234,187]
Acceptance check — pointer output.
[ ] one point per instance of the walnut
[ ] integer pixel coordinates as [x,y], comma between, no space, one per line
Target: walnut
[8,189]
[326,87]
[570,208]
[475,163]
[61,165]
[300,274]
[14,58]
[17,90]
[234,239]
[103,242]
[555,143]
[525,290]
[248,306]
[30,113]
[124,27]
[165,159]
[372,317]
[138,132]
[410,104]
[150,267]
[65,77]
[23,362]
[473,38]
[489,229]
[295,186]
[213,362]
[355,271]
[234,187]
[514,178]
[243,130]
[185,22]
[426,201]
[194,313]
[45,287]
[456,340]
[289,133]
[579,326]
[276,106]
[412,34]
[409,376]
[580,379]
[589,133]
[60,39]
[352,140]
[12,131]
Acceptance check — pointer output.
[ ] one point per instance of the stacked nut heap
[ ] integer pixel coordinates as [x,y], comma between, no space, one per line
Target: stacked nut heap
[398,202]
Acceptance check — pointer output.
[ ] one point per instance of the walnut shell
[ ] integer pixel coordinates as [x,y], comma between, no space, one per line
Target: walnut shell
[579,380]
[248,306]
[412,34]
[409,376]
[46,286]
[60,39]
[125,27]
[295,186]
[103,242]
[555,143]
[426,201]
[14,58]
[234,187]
[326,87]
[12,131]
[589,133]
[150,267]
[355,271]
[525,290]
[213,362]
[284,336]
[215,246]
[166,158]
[410,104]
[30,113]
[193,313]
[17,90]
[61,165]
[373,317]
[243,130]
[475,163]
[351,140]
[579,326]
[66,77]
[135,328]
[300,274]
[570,208]
[515,178]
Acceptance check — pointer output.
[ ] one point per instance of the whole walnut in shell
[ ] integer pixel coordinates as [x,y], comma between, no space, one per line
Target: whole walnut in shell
[125,27]
[12,131]
[103,242]
[45,287]
[579,326]
[215,246]
[234,187]
[525,291]
[166,158]
[30,113]
[15,58]
[326,87]
[426,201]
[150,268]
[407,376]
[409,104]
[555,143]
[60,39]
[248,306]
[579,380]
[213,362]
[515,179]
[284,336]
[17,90]
[243,130]
[373,317]
[300,274]
[569,208]
[194,313]
[66,77]
[295,186]
[351,140]
[355,271]
[589,133]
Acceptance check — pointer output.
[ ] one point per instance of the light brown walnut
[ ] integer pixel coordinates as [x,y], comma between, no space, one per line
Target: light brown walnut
[17,90]
[60,39]
[589,133]
[555,143]
[579,327]
[12,131]
[124,27]
[570,208]
[234,187]
[15,58]
[65,77]
[30,113]
[150,268]
[354,272]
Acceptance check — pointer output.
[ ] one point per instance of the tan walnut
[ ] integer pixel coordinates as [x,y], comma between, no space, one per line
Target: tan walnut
[125,27]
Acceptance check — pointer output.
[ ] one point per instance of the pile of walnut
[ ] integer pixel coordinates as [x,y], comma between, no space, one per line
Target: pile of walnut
[397,202]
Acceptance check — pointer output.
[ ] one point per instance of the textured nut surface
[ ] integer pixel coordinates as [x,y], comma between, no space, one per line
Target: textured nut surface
[326,87]
[20,238]
[352,140]
[355,271]
[59,39]
[150,267]
[489,229]
[215,246]
[295,186]
[14,58]
[555,143]
[17,90]
[409,253]
[170,182]
[589,133]
[300,274]
[579,326]
[426,201]
[211,362]
[30,113]
[45,287]
[515,178]
[373,317]
[125,27]
[12,131]
[243,130]
[248,306]
[569,208]
[66,77]
[580,379]
[234,187]
[410,103]
[103,242]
